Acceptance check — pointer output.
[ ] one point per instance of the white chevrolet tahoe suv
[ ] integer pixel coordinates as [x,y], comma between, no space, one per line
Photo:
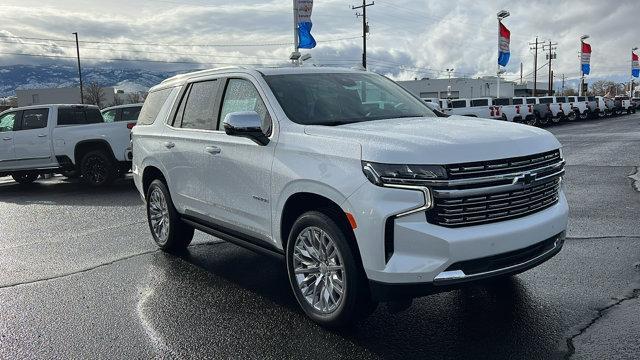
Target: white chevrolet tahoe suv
[367,195]
[68,139]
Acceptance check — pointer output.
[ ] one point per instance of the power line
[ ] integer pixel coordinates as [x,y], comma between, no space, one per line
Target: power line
[173,45]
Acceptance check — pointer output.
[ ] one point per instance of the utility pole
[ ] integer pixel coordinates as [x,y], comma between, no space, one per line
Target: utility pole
[521,74]
[562,84]
[552,55]
[79,68]
[535,66]
[365,29]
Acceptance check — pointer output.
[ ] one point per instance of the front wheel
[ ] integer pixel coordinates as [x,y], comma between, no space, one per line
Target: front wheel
[323,272]
[25,178]
[572,116]
[169,232]
[530,120]
[557,119]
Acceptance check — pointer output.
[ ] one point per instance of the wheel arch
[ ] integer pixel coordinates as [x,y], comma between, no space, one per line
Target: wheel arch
[85,146]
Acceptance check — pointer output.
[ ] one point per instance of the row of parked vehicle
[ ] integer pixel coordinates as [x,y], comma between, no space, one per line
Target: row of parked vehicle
[74,140]
[539,111]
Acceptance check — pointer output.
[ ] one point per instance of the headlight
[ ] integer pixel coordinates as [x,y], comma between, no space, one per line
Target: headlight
[402,174]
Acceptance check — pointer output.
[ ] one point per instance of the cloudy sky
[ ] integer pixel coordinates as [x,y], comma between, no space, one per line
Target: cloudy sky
[408,39]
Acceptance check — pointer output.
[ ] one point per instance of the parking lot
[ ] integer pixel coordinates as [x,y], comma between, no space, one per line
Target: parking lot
[80,276]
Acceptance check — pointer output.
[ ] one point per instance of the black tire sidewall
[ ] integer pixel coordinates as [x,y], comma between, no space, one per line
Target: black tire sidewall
[346,311]
[107,164]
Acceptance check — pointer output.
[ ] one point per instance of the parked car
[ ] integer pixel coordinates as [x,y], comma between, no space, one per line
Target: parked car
[580,107]
[610,104]
[127,112]
[558,109]
[480,107]
[636,103]
[508,111]
[525,109]
[623,104]
[43,139]
[364,204]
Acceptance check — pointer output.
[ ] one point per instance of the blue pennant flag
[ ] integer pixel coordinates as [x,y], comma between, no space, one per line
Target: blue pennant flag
[305,39]
[303,19]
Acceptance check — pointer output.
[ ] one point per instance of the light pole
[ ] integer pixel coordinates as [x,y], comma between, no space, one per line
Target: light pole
[449,71]
[502,14]
[582,39]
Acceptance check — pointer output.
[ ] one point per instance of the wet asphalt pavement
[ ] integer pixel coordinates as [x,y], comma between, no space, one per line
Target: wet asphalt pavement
[80,277]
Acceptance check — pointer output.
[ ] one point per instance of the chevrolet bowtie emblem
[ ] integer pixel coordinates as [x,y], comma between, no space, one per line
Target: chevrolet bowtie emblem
[525,178]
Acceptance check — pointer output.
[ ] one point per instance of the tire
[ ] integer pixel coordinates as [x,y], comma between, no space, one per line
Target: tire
[97,168]
[169,232]
[24,178]
[584,115]
[504,117]
[337,310]
[531,121]
[572,116]
[557,119]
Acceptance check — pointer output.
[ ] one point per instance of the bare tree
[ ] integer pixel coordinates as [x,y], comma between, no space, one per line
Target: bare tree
[117,100]
[602,87]
[134,98]
[94,94]
[570,92]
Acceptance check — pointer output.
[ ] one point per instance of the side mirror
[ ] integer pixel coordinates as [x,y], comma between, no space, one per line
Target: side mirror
[245,124]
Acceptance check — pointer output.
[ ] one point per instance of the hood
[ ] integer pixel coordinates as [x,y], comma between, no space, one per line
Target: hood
[434,140]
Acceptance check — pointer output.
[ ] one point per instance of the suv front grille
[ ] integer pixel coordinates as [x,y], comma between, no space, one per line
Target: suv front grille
[498,190]
[472,210]
[505,166]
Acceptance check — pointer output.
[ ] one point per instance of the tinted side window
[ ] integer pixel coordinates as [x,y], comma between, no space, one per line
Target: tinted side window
[35,119]
[582,98]
[592,98]
[152,105]
[7,122]
[517,101]
[458,104]
[546,100]
[130,113]
[480,102]
[79,116]
[531,101]
[501,101]
[199,108]
[241,95]
[109,116]
[561,99]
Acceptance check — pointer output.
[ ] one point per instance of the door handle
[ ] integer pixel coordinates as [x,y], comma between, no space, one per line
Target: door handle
[42,135]
[213,150]
[169,145]
[6,138]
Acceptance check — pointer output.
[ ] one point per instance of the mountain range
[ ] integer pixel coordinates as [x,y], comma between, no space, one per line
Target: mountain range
[16,77]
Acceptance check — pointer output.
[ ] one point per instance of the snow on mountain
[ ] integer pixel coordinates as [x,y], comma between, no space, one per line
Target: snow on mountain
[52,76]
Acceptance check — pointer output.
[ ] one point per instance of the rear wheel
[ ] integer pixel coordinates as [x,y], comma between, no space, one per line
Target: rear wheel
[584,115]
[97,168]
[557,119]
[24,177]
[572,116]
[170,233]
[530,120]
[323,272]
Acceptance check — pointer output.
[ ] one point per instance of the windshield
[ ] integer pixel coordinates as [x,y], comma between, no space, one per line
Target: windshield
[343,98]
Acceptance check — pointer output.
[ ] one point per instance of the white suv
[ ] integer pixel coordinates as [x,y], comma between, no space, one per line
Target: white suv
[353,181]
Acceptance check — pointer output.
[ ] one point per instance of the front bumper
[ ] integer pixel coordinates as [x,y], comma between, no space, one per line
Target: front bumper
[498,265]
[423,253]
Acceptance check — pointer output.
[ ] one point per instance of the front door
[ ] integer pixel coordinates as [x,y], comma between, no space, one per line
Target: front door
[238,170]
[7,122]
[32,142]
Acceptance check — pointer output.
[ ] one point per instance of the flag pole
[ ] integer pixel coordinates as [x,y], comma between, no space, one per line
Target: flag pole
[295,55]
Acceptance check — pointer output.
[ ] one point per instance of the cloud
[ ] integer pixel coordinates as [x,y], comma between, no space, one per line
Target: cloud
[408,38]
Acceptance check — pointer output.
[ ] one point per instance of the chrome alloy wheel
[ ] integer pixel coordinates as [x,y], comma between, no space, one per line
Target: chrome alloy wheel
[319,269]
[159,215]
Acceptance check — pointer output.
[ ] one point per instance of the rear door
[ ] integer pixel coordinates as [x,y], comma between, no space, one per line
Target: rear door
[32,141]
[7,155]
[183,144]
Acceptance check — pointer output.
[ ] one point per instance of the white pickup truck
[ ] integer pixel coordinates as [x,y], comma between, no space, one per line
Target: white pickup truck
[580,106]
[480,107]
[558,107]
[43,139]
[524,108]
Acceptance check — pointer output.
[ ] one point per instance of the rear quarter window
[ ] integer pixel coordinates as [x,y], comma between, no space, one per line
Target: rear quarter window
[517,101]
[561,99]
[79,116]
[480,102]
[458,104]
[546,100]
[152,106]
[531,101]
[502,101]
